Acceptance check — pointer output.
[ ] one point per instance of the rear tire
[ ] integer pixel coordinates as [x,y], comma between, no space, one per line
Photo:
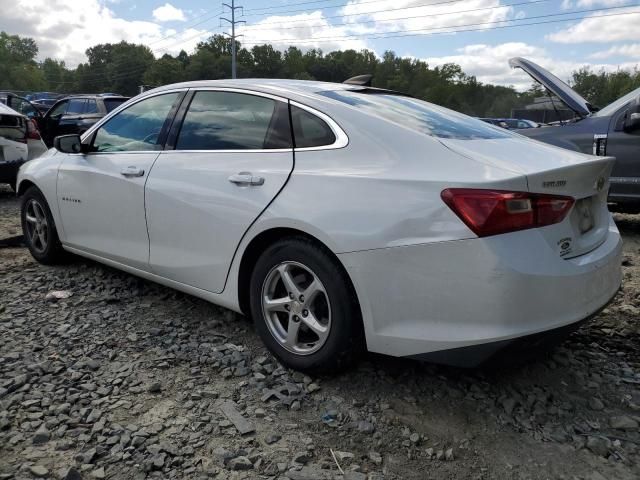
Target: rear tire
[322,332]
[39,229]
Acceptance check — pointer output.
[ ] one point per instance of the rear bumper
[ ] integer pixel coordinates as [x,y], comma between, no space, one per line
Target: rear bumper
[507,350]
[481,293]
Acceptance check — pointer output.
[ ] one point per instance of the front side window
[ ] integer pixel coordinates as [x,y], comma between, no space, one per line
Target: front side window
[234,121]
[137,128]
[59,109]
[309,130]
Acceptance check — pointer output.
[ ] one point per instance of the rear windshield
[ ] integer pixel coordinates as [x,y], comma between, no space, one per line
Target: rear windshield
[419,115]
[112,103]
[12,127]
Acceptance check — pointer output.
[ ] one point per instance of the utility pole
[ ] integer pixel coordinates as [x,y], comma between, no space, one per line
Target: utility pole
[233,22]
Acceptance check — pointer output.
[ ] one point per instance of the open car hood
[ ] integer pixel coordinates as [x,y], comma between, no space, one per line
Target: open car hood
[547,79]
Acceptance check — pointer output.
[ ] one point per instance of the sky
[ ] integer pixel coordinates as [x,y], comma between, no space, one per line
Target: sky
[479,35]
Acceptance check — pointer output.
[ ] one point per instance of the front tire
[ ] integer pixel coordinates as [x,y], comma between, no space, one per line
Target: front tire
[39,228]
[304,307]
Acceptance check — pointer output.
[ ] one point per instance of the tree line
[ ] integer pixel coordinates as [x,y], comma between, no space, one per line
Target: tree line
[122,67]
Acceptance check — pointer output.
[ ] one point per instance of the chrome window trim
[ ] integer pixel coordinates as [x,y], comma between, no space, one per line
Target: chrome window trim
[342,140]
[252,150]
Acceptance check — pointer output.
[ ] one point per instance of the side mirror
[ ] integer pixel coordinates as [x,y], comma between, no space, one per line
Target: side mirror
[68,144]
[632,123]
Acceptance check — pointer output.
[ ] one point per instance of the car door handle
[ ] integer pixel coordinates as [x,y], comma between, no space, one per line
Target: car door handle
[132,171]
[245,178]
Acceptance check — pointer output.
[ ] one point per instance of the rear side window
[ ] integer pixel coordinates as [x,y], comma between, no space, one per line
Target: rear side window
[76,105]
[309,130]
[113,103]
[234,121]
[92,107]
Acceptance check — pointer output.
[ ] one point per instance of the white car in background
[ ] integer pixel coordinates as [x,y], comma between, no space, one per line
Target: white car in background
[20,141]
[337,216]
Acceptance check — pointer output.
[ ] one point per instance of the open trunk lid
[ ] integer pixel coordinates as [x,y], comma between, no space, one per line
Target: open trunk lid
[554,171]
[559,88]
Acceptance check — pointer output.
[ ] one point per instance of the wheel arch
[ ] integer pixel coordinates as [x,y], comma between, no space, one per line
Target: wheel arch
[24,186]
[260,243]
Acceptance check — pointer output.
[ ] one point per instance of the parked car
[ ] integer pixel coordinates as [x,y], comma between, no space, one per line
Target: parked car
[613,130]
[19,141]
[337,216]
[512,123]
[496,122]
[44,104]
[75,115]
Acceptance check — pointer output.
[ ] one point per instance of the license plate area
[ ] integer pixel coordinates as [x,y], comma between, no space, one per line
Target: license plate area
[585,214]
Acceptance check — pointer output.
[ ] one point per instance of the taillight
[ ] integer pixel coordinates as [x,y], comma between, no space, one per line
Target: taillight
[32,130]
[492,212]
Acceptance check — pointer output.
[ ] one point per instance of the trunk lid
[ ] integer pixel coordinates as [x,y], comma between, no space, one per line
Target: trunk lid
[554,171]
[559,88]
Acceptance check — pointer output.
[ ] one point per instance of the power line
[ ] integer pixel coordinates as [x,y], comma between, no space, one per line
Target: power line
[430,15]
[379,34]
[442,2]
[408,33]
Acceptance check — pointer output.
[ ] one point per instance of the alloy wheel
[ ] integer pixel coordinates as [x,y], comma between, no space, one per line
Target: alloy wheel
[37,225]
[296,308]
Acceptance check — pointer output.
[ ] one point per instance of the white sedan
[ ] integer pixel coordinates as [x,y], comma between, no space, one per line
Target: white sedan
[339,217]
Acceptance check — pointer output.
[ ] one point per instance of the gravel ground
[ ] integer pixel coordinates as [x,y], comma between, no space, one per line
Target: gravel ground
[126,379]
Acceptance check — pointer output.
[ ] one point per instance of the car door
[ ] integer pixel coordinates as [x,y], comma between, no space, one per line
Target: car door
[232,155]
[49,123]
[101,193]
[625,146]
[72,117]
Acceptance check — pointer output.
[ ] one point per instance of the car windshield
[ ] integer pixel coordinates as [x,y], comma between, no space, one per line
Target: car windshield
[418,115]
[613,107]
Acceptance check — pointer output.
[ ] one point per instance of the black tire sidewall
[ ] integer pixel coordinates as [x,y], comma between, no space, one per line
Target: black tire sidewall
[340,347]
[53,253]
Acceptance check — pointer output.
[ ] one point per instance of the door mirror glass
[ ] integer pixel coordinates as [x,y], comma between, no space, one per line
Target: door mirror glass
[68,144]
[633,123]
[137,128]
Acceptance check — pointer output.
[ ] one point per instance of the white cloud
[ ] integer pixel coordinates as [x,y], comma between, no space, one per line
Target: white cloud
[393,15]
[568,4]
[312,30]
[601,28]
[629,50]
[490,63]
[72,26]
[168,13]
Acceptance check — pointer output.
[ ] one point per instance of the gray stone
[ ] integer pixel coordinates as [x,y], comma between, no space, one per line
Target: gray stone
[98,473]
[375,457]
[595,404]
[41,436]
[310,473]
[155,387]
[623,422]
[240,463]
[301,457]
[599,445]
[38,471]
[351,475]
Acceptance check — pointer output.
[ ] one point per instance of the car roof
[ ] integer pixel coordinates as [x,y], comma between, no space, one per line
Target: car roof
[273,86]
